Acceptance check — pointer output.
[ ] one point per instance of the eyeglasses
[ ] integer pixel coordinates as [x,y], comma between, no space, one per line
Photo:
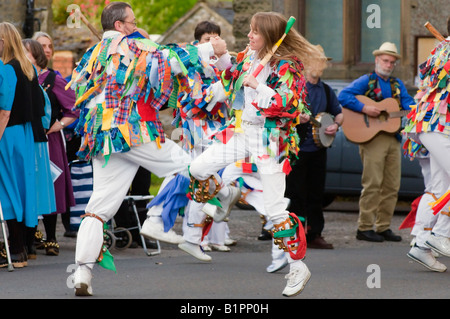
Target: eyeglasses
[133,23]
[385,61]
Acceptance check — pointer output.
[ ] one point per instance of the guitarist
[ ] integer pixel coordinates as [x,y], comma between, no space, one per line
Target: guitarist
[305,184]
[381,156]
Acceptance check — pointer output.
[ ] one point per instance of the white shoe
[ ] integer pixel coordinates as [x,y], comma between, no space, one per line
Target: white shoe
[230,242]
[154,230]
[194,250]
[277,264]
[426,258]
[206,247]
[297,278]
[439,244]
[221,213]
[82,282]
[221,248]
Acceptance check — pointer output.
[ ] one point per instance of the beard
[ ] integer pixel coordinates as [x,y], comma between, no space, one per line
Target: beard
[383,72]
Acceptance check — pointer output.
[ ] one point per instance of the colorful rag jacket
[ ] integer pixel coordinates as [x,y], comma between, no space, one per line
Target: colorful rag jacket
[374,91]
[431,113]
[281,112]
[198,114]
[121,83]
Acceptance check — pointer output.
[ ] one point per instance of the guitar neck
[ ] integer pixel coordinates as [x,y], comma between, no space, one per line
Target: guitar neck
[399,113]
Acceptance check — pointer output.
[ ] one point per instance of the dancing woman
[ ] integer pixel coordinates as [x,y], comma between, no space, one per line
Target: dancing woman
[264,128]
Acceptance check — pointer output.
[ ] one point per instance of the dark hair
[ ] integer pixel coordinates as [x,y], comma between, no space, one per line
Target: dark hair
[115,11]
[37,51]
[205,27]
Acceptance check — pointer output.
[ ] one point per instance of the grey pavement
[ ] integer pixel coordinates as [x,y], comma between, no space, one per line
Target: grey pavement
[353,270]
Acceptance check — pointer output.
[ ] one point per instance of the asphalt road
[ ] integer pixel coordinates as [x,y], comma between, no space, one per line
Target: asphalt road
[353,270]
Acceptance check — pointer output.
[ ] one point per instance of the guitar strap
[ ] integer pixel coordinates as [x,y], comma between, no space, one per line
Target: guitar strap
[374,91]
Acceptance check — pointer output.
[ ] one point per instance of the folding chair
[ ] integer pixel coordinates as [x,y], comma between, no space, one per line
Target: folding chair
[5,236]
[120,237]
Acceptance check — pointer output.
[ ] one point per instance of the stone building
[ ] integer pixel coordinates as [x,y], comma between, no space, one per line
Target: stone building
[349,30]
[183,29]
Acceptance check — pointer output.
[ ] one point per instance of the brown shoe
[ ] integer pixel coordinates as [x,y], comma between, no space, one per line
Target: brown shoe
[319,243]
[51,248]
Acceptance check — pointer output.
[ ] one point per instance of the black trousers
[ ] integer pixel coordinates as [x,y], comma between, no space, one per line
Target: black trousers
[305,188]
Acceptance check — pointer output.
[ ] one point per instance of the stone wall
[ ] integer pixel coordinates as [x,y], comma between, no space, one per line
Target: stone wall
[243,12]
[14,11]
[183,30]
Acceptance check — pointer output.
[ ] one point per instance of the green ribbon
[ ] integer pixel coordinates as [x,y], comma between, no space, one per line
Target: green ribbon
[108,261]
[214,201]
[288,232]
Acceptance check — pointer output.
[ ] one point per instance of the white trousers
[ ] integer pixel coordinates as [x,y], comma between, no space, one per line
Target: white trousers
[240,146]
[438,146]
[111,183]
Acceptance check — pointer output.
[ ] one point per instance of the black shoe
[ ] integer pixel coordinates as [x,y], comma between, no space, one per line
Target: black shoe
[70,233]
[265,235]
[369,235]
[390,236]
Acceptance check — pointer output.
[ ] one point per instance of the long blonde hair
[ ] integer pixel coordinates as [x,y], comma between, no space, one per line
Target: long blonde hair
[271,26]
[13,49]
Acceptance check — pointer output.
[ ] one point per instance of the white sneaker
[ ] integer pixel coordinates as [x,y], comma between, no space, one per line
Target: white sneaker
[439,244]
[221,248]
[206,247]
[297,278]
[194,250]
[154,230]
[277,264]
[221,213]
[426,258]
[230,242]
[82,282]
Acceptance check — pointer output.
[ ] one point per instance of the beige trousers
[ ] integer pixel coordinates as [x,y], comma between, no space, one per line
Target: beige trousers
[381,159]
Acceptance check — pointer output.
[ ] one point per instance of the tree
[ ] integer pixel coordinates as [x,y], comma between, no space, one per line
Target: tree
[154,16]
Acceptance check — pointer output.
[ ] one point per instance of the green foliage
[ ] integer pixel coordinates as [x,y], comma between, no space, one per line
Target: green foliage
[157,16]
[154,16]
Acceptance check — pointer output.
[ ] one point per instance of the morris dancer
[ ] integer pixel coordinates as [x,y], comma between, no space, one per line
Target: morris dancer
[270,106]
[429,127]
[120,132]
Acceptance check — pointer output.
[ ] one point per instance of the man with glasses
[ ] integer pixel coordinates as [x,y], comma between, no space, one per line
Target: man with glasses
[381,155]
[121,83]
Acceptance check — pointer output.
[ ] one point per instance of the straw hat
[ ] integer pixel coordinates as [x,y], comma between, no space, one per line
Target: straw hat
[387,48]
[318,46]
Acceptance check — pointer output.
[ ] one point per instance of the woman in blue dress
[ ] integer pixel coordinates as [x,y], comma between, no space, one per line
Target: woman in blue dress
[21,109]
[45,191]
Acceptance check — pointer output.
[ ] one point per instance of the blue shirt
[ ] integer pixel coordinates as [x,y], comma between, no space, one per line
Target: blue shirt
[8,82]
[318,103]
[360,87]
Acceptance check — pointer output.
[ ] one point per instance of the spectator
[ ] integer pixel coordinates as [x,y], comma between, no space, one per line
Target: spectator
[381,156]
[45,191]
[62,102]
[305,185]
[21,109]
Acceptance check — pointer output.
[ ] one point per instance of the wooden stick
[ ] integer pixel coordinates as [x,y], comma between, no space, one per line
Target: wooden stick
[90,26]
[434,31]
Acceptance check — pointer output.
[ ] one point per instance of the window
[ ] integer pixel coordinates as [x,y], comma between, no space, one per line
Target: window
[380,22]
[323,25]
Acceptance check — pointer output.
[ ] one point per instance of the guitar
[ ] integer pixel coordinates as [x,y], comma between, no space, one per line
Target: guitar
[360,128]
[319,124]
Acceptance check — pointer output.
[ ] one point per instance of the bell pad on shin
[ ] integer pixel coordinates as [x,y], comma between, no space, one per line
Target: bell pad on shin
[289,235]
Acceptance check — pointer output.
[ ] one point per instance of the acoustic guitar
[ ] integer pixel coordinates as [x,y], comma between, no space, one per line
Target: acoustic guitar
[360,128]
